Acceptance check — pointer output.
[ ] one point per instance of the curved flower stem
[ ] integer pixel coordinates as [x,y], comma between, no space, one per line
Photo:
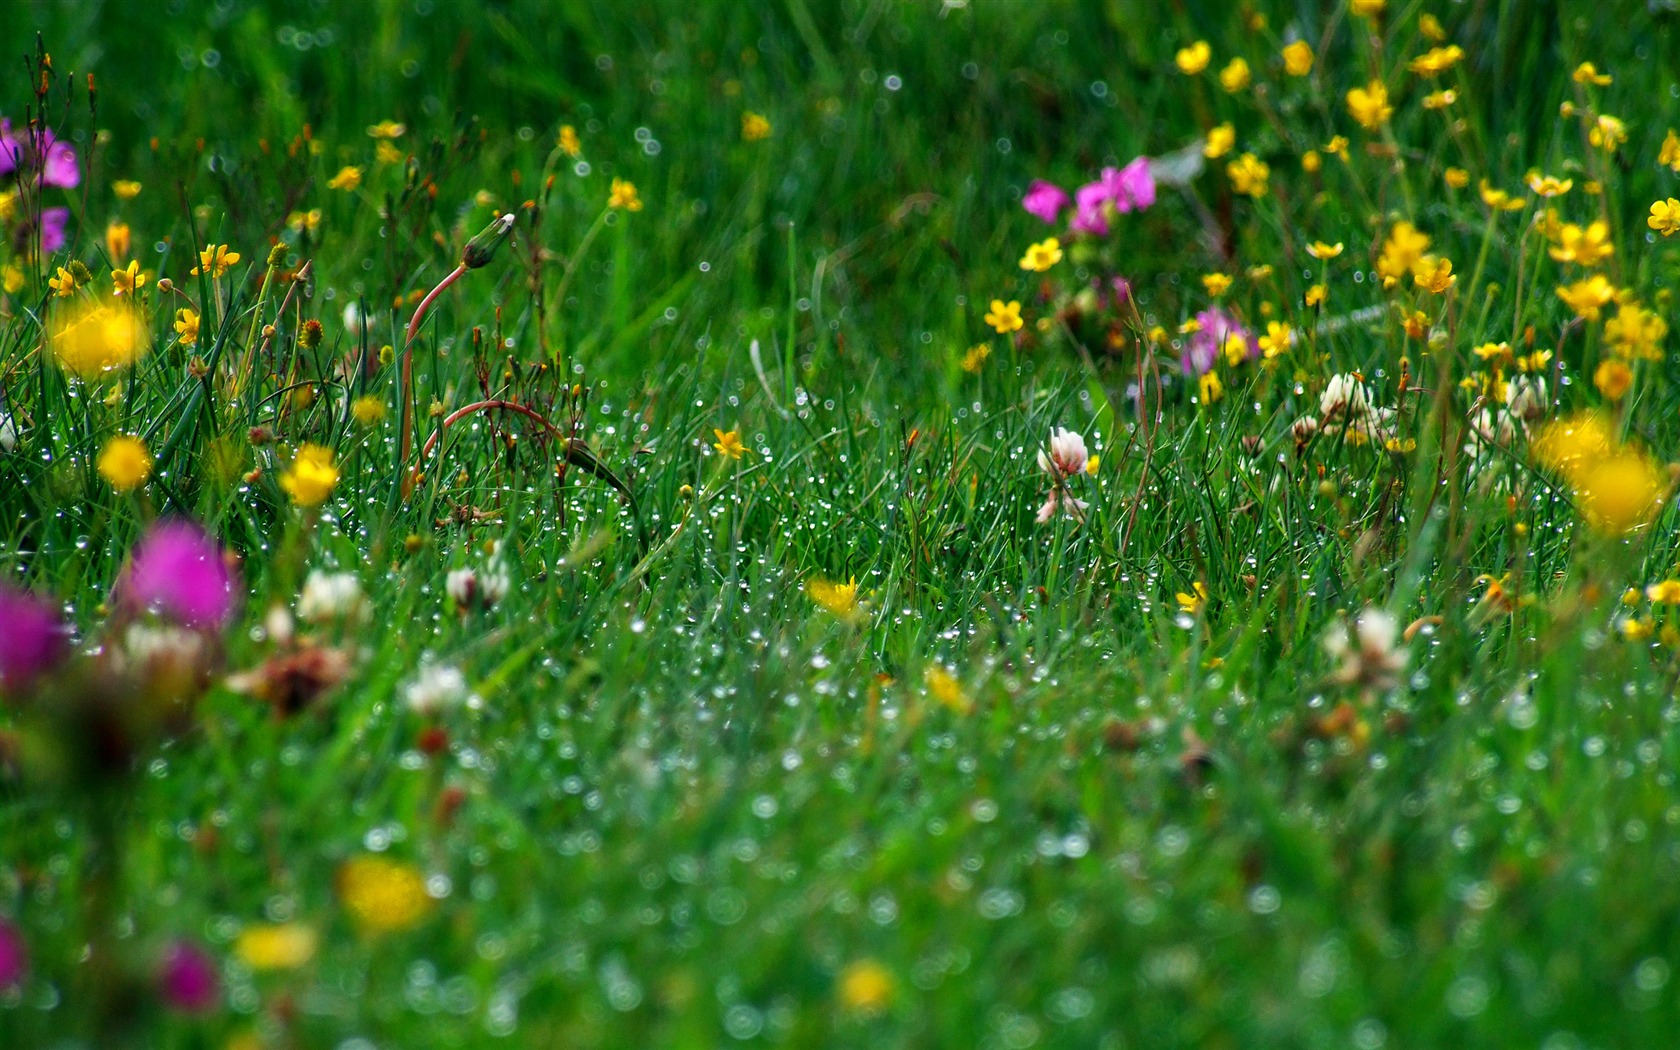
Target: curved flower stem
[407,392]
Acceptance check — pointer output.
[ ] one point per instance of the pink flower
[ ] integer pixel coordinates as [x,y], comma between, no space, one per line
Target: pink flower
[1137,182]
[1058,499]
[32,639]
[13,958]
[1067,457]
[58,165]
[1127,189]
[1204,346]
[1090,215]
[1045,200]
[179,571]
[187,979]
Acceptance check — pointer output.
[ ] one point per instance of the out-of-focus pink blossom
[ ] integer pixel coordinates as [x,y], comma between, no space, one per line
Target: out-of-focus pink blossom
[1137,182]
[1060,500]
[14,959]
[57,163]
[1205,345]
[1090,209]
[179,571]
[31,638]
[187,979]
[1120,190]
[1045,200]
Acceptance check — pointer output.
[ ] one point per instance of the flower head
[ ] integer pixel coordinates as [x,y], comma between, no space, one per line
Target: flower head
[187,979]
[93,339]
[311,477]
[1210,334]
[728,443]
[1369,105]
[568,141]
[280,947]
[215,260]
[1045,200]
[14,959]
[1193,59]
[125,189]
[383,895]
[1219,141]
[436,689]
[40,155]
[331,596]
[1436,60]
[186,326]
[125,463]
[118,241]
[1587,297]
[1235,76]
[1004,317]
[1042,256]
[1297,58]
[179,571]
[1587,73]
[944,687]
[1067,456]
[347,179]
[1248,175]
[840,599]
[32,642]
[1366,651]
[1549,185]
[128,280]
[623,195]
[866,986]
[1320,250]
[1665,216]
[754,127]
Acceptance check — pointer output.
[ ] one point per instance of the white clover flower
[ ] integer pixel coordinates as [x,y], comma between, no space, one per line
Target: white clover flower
[1344,396]
[1526,396]
[437,688]
[462,586]
[331,596]
[1368,653]
[1067,455]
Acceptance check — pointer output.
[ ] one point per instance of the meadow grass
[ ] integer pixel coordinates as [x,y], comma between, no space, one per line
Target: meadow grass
[1026,785]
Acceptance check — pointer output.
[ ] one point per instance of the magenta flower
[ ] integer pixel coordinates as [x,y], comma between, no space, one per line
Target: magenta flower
[178,570]
[1045,200]
[58,165]
[1137,182]
[53,221]
[32,639]
[1090,209]
[13,958]
[1205,345]
[188,979]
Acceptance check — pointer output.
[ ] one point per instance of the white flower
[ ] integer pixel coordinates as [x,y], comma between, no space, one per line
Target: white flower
[1303,429]
[437,688]
[1067,455]
[1345,395]
[353,323]
[8,432]
[1525,396]
[494,584]
[462,586]
[1075,507]
[1367,652]
[331,596]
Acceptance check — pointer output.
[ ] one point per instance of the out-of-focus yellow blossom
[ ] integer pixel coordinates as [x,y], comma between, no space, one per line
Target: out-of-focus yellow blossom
[1585,247]
[1669,154]
[347,179]
[125,463]
[1607,133]
[368,409]
[383,895]
[1219,141]
[283,947]
[1311,162]
[304,221]
[1433,273]
[1665,217]
[1338,147]
[728,443]
[754,127]
[1587,297]
[1298,58]
[94,339]
[1404,247]
[1193,59]
[1636,332]
[1499,200]
[1635,629]
[1193,602]
[1587,73]
[1549,185]
[1210,388]
[1436,60]
[1667,592]
[385,153]
[1457,178]
[840,599]
[118,242]
[867,987]
[1278,339]
[1043,255]
[1431,27]
[1235,76]
[568,142]
[216,260]
[1236,349]
[1216,283]
[1320,250]
[1440,99]
[387,129]
[186,326]
[1317,294]
[1613,377]
[1367,8]
[1369,105]
[1248,175]
[975,358]
[1616,486]
[1004,317]
[1416,325]
[623,195]
[11,278]
[943,686]
[125,189]
[311,477]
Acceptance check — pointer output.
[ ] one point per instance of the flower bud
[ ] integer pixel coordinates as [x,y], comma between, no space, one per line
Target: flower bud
[482,248]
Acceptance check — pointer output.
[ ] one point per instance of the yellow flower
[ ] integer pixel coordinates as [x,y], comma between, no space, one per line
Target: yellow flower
[186,326]
[1004,317]
[368,409]
[125,189]
[1433,273]
[304,221]
[387,129]
[1588,296]
[1499,200]
[125,463]
[1043,255]
[1219,141]
[569,144]
[1621,492]
[1298,58]
[63,283]
[117,241]
[1587,73]
[385,153]
[348,178]
[975,358]
[623,195]
[1440,99]
[1636,630]
[1549,185]
[1193,59]
[1665,216]
[1496,354]
[1607,133]
[1416,326]
[95,339]
[1191,604]
[1613,378]
[1317,294]
[311,477]
[216,260]
[1431,27]
[1636,332]
[1216,283]
[1311,162]
[1248,175]
[12,278]
[1320,250]
[1587,247]
[1665,593]
[943,686]
[382,895]
[728,443]
[1367,8]
[1338,147]
[1436,60]
[1535,362]
[754,127]
[1210,388]
[1457,178]
[1669,155]
[1277,340]
[1235,76]
[867,987]
[1404,247]
[282,947]
[841,599]
[1236,350]
[1369,105]
[129,280]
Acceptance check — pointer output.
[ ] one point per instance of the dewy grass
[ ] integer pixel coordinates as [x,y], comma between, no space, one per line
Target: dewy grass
[977,524]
